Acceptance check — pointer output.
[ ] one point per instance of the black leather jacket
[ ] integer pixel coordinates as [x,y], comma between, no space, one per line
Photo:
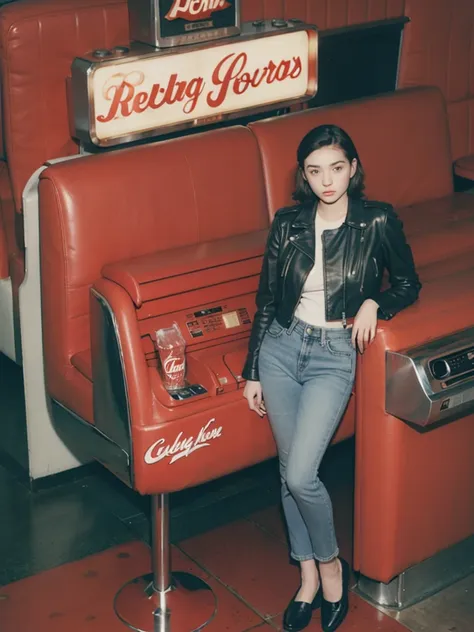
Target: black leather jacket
[355,255]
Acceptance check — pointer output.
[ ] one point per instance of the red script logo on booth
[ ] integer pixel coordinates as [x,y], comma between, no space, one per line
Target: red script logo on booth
[193,10]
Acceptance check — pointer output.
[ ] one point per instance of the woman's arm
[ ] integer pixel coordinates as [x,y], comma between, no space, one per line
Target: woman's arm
[266,301]
[404,283]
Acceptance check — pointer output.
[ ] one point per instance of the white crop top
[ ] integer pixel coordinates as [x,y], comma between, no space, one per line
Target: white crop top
[311,308]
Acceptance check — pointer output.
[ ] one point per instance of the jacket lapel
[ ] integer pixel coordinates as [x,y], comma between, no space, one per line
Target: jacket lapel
[303,233]
[356,214]
[302,236]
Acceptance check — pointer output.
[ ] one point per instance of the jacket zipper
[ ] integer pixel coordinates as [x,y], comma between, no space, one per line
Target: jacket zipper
[344,266]
[302,285]
[287,263]
[325,277]
[376,266]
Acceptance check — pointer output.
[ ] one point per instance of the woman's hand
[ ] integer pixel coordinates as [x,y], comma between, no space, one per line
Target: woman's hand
[365,325]
[253,394]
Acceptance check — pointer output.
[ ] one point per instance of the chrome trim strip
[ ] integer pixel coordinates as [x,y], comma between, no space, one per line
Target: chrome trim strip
[104,305]
[422,580]
[83,437]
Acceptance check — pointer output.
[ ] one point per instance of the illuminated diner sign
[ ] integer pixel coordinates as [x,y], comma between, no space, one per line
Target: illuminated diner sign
[124,98]
[164,23]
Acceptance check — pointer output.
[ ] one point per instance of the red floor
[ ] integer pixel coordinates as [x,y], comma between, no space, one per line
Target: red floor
[245,562]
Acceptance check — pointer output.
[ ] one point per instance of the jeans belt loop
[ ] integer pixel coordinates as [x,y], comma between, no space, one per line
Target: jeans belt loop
[291,328]
[323,336]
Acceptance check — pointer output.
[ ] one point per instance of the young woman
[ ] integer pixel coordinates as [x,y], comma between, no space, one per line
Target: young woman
[317,304]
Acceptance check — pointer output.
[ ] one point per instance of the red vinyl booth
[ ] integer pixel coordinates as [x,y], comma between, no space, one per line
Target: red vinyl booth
[39,40]
[160,233]
[157,231]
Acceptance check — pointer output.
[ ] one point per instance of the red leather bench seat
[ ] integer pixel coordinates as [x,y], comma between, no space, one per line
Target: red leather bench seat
[103,209]
[402,139]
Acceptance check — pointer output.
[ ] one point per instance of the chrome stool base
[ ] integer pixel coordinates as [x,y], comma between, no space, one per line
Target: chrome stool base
[187,606]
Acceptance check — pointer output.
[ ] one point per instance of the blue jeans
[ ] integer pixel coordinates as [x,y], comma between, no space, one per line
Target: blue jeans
[307,375]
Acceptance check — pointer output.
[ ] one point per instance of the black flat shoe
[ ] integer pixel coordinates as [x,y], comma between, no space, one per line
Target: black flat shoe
[298,613]
[333,614]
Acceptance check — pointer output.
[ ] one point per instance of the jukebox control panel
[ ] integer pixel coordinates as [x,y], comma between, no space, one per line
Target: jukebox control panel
[453,367]
[216,319]
[215,335]
[433,382]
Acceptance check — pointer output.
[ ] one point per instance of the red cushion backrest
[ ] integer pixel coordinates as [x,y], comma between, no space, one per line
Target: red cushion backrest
[437,50]
[39,39]
[100,209]
[402,140]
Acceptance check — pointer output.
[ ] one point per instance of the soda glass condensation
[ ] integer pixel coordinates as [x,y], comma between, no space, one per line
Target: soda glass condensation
[172,351]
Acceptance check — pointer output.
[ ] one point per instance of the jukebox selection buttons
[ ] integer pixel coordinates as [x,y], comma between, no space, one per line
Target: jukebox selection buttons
[454,366]
[279,24]
[231,320]
[212,320]
[188,391]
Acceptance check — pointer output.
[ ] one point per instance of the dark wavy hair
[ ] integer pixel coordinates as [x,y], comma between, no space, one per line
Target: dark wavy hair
[326,136]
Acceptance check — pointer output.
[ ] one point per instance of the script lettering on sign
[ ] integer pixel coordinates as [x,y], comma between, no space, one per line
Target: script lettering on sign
[229,77]
[201,85]
[183,446]
[192,10]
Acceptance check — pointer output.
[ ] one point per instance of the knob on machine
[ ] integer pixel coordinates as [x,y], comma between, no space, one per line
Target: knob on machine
[440,369]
